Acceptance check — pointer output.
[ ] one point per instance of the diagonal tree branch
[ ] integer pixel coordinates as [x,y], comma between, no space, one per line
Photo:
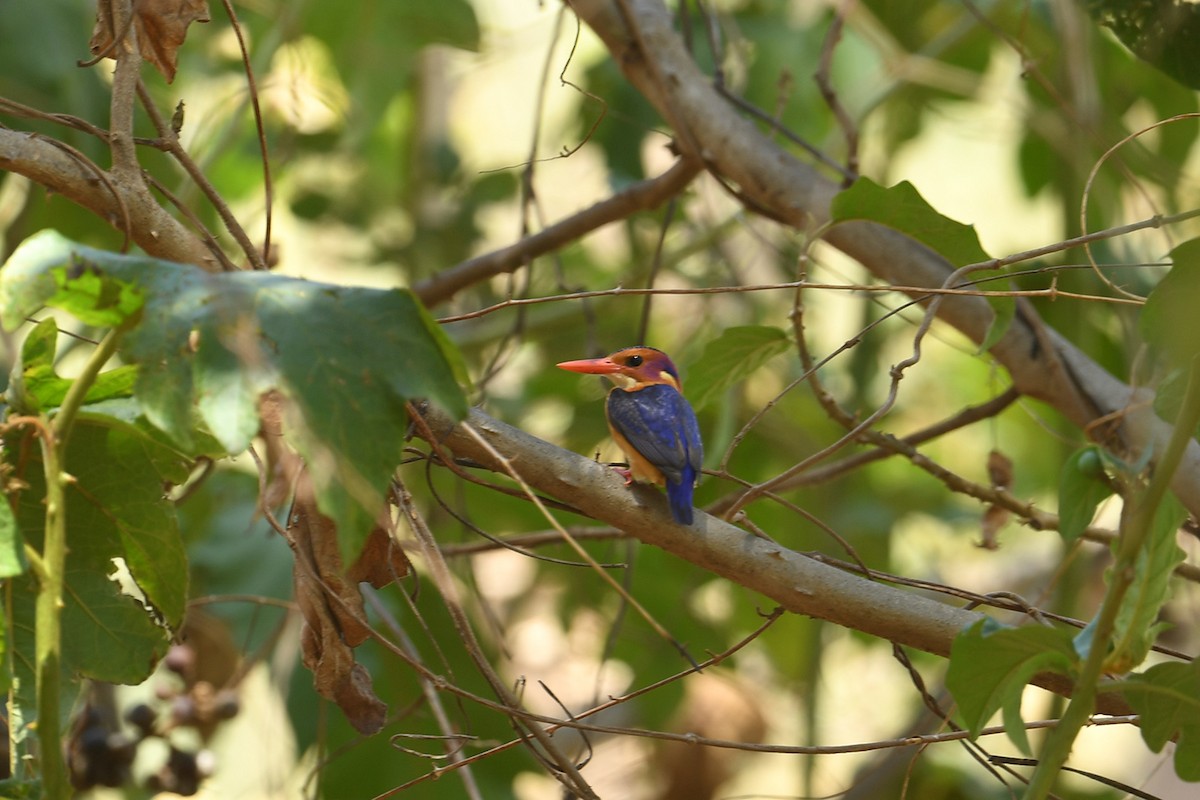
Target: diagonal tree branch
[1042,364]
[641,196]
[798,583]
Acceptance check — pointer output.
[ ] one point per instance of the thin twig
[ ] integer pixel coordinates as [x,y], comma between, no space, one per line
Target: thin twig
[566,771]
[640,196]
[822,77]
[175,148]
[432,698]
[919,294]
[260,130]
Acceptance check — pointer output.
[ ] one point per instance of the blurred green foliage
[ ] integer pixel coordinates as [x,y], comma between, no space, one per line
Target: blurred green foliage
[379,174]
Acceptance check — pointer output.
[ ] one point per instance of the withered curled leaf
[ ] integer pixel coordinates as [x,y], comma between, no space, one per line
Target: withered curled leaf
[160,26]
[333,615]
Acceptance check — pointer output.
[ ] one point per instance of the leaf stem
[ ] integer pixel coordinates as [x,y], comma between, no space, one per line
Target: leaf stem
[1136,523]
[64,420]
[48,623]
[50,569]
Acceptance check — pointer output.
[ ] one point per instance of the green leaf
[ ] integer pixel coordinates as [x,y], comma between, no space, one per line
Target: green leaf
[990,665]
[730,358]
[1169,321]
[1014,725]
[902,208]
[35,385]
[20,789]
[1168,395]
[1081,490]
[92,296]
[34,368]
[116,513]
[1161,32]
[1137,623]
[1167,698]
[347,358]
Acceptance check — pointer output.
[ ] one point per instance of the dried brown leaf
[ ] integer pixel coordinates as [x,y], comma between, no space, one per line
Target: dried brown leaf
[355,695]
[316,535]
[161,27]
[1000,470]
[381,561]
[283,465]
[994,519]
[336,675]
[332,609]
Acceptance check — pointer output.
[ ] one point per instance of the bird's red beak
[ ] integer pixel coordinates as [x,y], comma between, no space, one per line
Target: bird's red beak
[592,366]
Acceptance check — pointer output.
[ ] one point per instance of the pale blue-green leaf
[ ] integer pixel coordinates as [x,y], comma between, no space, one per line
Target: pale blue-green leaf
[730,359]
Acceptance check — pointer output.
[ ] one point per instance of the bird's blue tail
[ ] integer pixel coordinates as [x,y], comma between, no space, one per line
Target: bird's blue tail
[679,495]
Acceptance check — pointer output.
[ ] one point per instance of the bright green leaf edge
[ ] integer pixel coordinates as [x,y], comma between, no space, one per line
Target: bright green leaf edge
[902,208]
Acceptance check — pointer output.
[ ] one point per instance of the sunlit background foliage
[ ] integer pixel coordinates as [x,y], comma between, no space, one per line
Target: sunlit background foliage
[407,137]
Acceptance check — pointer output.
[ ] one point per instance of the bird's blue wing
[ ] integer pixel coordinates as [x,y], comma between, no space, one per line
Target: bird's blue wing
[660,424]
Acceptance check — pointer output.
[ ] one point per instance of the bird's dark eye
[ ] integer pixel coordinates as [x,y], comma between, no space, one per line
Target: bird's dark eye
[634,361]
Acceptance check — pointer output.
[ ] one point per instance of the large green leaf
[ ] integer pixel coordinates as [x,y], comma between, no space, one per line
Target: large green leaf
[1169,321]
[1137,623]
[730,358]
[902,208]
[1167,697]
[1162,32]
[347,358]
[990,665]
[116,514]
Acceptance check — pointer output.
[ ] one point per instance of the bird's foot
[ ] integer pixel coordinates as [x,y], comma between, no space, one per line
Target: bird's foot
[624,471]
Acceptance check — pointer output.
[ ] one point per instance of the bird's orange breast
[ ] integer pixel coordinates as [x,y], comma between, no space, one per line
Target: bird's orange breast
[639,468]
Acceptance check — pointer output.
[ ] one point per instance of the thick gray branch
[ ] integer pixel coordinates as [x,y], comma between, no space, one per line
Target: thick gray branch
[1041,362]
[56,169]
[793,580]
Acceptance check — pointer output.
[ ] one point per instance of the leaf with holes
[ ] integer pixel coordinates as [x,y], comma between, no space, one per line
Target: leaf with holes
[126,571]
[1137,624]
